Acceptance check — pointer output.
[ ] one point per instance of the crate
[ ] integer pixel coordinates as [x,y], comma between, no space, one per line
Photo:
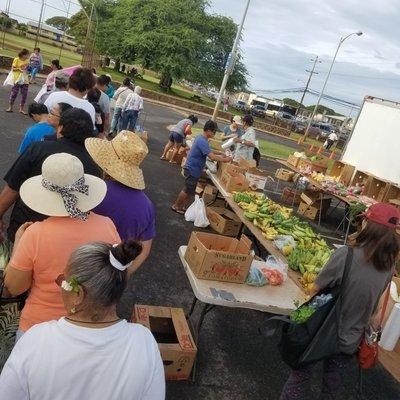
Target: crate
[360,178]
[291,196]
[342,170]
[375,188]
[312,211]
[315,166]
[392,192]
[284,174]
[293,160]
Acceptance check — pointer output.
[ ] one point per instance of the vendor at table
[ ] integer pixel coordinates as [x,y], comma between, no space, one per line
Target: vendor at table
[234,129]
[246,143]
[195,164]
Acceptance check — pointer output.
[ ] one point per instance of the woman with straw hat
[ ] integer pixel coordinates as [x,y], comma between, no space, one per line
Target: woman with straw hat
[125,203]
[41,250]
[91,353]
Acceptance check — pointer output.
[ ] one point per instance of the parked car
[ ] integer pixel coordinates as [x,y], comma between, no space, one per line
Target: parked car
[285,115]
[319,130]
[240,105]
[258,111]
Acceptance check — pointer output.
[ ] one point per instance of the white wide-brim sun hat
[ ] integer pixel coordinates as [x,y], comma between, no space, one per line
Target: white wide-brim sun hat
[61,169]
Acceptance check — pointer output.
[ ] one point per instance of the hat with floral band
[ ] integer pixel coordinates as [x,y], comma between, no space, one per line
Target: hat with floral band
[63,189]
[120,158]
[384,214]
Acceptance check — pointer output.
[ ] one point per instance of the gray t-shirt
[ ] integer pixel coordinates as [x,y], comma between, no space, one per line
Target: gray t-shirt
[104,103]
[362,291]
[181,126]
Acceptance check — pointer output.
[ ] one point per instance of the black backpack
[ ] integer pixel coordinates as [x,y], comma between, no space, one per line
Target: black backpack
[317,338]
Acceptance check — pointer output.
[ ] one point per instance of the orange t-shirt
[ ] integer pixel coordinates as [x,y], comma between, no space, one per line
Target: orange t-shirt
[44,249]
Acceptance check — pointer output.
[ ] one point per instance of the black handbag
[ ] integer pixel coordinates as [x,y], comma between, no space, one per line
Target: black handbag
[317,338]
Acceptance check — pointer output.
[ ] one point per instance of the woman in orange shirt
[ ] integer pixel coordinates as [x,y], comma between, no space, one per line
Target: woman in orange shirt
[41,250]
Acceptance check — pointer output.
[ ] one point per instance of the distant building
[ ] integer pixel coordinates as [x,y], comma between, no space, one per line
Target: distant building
[50,33]
[4,15]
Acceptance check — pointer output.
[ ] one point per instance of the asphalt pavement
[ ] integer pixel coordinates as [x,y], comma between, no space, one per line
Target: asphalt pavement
[234,361]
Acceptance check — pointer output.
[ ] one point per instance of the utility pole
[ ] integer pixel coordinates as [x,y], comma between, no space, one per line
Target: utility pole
[39,25]
[308,81]
[230,63]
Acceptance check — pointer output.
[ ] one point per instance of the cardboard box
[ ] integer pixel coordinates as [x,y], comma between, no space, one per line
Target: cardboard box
[209,194]
[234,182]
[230,168]
[290,195]
[171,331]
[247,164]
[257,178]
[312,211]
[343,171]
[313,165]
[284,174]
[219,258]
[223,221]
[292,160]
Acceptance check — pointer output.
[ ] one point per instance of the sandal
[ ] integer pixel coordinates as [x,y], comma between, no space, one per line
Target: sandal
[177,210]
[23,113]
[9,110]
[163,158]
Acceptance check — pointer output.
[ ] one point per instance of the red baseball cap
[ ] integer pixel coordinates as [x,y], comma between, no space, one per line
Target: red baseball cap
[384,214]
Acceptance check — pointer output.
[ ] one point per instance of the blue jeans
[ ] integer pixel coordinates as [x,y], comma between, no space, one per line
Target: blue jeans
[116,120]
[34,71]
[129,118]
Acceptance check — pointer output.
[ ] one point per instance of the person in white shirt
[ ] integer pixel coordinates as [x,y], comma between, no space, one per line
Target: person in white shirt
[332,138]
[120,96]
[104,101]
[130,110]
[246,143]
[90,354]
[81,80]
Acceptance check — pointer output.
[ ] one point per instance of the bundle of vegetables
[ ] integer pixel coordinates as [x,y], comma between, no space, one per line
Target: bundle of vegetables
[302,314]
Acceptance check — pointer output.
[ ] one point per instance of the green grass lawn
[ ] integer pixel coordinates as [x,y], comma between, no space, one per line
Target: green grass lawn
[267,148]
[14,43]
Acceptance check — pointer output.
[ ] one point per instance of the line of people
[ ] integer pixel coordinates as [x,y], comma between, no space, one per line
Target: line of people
[80,225]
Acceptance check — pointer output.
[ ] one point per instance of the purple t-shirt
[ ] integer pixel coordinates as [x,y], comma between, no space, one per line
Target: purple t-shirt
[131,211]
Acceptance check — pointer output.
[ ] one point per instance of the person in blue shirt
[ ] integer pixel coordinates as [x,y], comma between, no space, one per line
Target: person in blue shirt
[39,113]
[195,163]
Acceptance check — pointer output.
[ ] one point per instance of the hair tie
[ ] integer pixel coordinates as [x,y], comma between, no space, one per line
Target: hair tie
[115,263]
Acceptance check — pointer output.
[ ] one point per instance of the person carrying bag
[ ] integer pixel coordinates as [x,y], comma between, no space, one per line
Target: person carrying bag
[350,286]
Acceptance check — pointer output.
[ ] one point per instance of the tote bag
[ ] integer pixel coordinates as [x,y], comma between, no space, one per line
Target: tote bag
[317,338]
[9,80]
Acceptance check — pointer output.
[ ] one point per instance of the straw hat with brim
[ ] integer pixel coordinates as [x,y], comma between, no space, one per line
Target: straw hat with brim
[62,170]
[120,158]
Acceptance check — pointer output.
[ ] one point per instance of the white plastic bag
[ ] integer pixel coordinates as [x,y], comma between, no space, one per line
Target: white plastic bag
[42,91]
[190,214]
[201,220]
[20,80]
[9,80]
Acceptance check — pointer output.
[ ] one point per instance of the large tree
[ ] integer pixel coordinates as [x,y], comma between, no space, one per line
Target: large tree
[58,22]
[176,38]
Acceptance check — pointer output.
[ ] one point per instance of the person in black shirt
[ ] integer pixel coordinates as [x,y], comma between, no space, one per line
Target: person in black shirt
[75,126]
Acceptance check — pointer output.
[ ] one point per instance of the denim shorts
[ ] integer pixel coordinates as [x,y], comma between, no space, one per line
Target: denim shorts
[175,138]
[190,182]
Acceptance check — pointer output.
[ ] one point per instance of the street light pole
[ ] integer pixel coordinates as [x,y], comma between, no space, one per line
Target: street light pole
[342,39]
[231,63]
[39,25]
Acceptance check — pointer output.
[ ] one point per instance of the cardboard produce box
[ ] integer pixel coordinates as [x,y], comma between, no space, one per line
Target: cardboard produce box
[293,160]
[284,174]
[171,331]
[247,164]
[257,178]
[312,211]
[234,182]
[314,165]
[219,258]
[290,195]
[223,221]
[209,194]
[230,168]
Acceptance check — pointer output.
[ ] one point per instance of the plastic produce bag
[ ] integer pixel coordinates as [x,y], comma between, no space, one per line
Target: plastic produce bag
[9,80]
[190,214]
[275,271]
[201,220]
[285,243]
[255,276]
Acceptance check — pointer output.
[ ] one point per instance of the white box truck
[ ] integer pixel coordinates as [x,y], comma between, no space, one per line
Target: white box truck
[374,144]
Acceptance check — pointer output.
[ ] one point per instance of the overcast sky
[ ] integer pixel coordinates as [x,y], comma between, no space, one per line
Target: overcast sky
[280,37]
